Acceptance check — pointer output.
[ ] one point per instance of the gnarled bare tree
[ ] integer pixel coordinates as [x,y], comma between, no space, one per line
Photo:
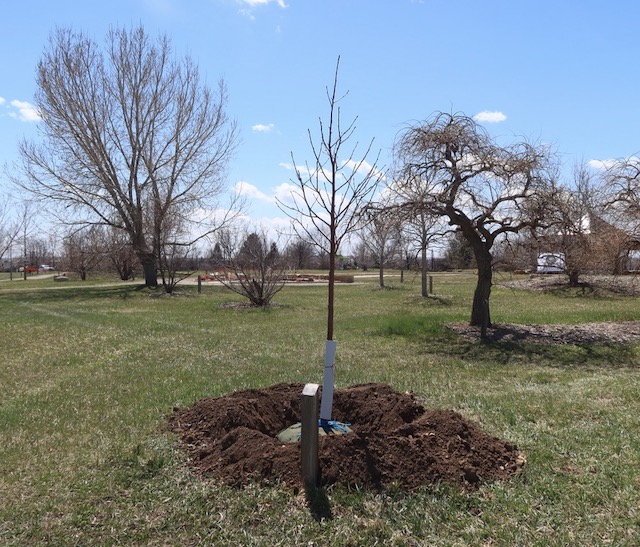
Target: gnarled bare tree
[131,138]
[484,190]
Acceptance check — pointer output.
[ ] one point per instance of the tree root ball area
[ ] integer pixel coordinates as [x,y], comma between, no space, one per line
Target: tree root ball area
[395,440]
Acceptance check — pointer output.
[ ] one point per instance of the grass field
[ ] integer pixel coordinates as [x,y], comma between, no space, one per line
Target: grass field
[89,372]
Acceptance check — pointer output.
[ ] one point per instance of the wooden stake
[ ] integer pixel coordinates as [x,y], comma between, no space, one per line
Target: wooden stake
[309,436]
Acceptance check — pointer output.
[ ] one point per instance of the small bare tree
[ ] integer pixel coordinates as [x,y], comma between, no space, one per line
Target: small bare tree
[327,204]
[252,268]
[119,253]
[300,254]
[623,186]
[568,231]
[10,227]
[83,251]
[421,226]
[381,235]
[622,191]
[421,229]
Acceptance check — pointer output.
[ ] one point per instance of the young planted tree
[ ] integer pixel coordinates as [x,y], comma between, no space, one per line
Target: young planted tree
[131,138]
[327,204]
[421,229]
[623,186]
[482,189]
[119,253]
[421,226]
[177,254]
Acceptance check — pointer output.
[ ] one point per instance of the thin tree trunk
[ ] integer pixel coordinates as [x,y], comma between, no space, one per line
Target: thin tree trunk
[480,312]
[574,278]
[423,270]
[332,282]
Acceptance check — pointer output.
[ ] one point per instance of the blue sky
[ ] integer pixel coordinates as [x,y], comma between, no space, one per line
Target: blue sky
[563,72]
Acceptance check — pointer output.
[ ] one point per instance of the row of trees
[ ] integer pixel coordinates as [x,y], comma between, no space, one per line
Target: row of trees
[135,149]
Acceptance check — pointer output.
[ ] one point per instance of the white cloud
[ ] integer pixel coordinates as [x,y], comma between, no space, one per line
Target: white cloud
[2,100]
[284,192]
[490,117]
[251,4]
[254,3]
[302,169]
[276,229]
[26,112]
[262,128]
[253,192]
[164,7]
[364,168]
[601,164]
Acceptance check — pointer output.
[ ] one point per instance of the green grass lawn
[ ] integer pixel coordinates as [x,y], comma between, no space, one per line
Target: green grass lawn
[89,372]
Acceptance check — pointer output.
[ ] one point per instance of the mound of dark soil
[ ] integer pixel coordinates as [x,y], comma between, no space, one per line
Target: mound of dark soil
[395,440]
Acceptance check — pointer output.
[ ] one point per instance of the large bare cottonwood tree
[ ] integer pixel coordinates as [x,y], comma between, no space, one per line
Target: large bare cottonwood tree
[484,190]
[133,139]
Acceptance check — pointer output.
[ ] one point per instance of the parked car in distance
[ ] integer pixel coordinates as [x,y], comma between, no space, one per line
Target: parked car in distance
[550,263]
[46,268]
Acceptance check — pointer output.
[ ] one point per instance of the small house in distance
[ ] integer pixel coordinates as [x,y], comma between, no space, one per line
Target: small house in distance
[592,245]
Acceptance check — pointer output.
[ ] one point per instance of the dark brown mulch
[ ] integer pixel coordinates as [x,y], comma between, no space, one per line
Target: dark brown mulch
[395,440]
[622,332]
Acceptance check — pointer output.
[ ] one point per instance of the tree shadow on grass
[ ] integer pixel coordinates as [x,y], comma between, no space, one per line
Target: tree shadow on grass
[66,294]
[511,347]
[596,356]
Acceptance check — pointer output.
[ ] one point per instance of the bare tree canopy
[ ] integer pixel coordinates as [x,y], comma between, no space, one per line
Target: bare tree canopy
[576,231]
[132,138]
[622,187]
[333,189]
[381,235]
[10,226]
[449,165]
[250,265]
